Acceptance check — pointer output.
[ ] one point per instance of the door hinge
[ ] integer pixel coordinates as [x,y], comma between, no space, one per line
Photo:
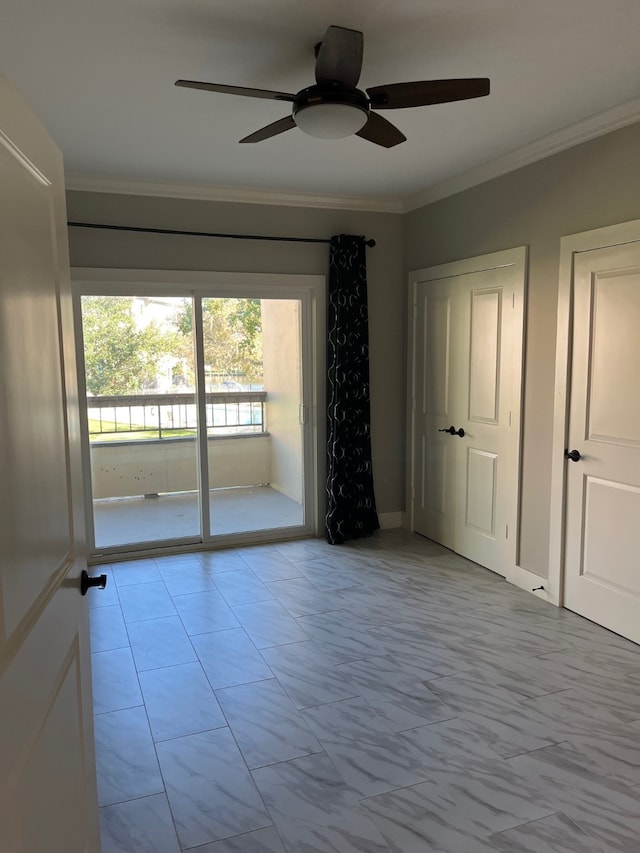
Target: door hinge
[513,300]
[509,418]
[302,414]
[506,531]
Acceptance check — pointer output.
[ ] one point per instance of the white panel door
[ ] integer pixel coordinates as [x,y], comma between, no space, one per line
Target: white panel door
[47,773]
[467,374]
[602,567]
[435,454]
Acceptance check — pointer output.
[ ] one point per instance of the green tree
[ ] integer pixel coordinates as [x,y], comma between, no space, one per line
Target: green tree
[120,357]
[232,335]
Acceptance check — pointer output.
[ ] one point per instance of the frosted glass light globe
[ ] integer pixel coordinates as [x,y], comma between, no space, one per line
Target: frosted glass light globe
[330,121]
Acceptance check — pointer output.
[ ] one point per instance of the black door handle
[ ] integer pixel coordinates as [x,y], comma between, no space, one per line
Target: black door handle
[87,581]
[573,455]
[453,431]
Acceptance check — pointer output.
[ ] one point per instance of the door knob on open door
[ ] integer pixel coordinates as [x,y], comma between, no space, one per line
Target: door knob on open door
[453,431]
[87,581]
[573,455]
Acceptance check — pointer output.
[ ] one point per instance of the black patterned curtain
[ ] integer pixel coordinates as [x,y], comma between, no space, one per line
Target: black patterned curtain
[351,504]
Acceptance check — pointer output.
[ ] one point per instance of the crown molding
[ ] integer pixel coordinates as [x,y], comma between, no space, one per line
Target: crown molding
[242,195]
[554,143]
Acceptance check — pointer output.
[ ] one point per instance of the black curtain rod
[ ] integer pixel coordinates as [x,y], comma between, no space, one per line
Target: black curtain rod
[370,243]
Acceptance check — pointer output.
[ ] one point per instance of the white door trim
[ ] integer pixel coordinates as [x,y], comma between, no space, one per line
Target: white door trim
[310,289]
[516,257]
[571,245]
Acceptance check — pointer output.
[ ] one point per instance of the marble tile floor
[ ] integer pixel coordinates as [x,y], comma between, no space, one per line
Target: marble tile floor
[386,696]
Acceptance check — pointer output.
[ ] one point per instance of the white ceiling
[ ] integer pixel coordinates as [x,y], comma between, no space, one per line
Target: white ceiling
[101,75]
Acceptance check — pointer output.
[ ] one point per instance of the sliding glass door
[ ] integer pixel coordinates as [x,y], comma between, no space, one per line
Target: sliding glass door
[253,380]
[141,419]
[196,420]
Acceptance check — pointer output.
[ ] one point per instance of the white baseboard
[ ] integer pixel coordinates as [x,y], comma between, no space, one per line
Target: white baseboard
[389,520]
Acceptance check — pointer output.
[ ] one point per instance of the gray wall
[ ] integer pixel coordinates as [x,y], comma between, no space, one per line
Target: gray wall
[385,279]
[589,186]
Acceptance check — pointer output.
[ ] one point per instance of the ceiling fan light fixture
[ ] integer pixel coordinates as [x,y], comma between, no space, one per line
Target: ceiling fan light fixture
[330,120]
[334,108]
[330,112]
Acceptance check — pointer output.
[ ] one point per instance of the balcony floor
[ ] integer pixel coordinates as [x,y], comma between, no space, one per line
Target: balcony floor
[123,521]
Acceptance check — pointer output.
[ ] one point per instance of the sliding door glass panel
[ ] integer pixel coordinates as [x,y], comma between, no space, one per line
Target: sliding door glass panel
[142,417]
[253,378]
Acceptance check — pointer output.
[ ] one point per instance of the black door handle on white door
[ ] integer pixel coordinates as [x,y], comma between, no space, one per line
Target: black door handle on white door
[573,455]
[86,581]
[453,431]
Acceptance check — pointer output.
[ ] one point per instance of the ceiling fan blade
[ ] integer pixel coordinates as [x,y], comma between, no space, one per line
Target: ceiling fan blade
[236,90]
[421,93]
[339,57]
[381,132]
[270,130]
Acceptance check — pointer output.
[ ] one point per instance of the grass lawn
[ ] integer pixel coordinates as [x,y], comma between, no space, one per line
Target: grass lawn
[120,432]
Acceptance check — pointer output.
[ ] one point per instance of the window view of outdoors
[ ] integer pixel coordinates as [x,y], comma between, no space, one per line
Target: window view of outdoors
[139,366]
[142,414]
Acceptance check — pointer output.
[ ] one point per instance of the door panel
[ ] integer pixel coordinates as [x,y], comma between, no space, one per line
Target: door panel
[33,416]
[270,459]
[613,412]
[433,383]
[609,554]
[437,464]
[436,354]
[484,506]
[484,355]
[47,767]
[45,809]
[139,372]
[481,491]
[602,534]
[467,372]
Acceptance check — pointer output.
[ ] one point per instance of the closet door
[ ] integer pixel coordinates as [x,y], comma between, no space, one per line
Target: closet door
[602,578]
[466,396]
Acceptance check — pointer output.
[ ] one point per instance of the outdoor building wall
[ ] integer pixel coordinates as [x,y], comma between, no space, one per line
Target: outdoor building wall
[282,380]
[589,186]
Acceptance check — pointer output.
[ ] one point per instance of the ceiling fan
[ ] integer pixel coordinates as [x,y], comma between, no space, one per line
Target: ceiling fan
[335,108]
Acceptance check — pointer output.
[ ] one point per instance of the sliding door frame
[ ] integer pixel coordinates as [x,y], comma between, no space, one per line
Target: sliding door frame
[310,290]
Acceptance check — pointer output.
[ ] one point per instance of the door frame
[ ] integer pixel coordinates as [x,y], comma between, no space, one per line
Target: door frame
[517,258]
[570,246]
[310,290]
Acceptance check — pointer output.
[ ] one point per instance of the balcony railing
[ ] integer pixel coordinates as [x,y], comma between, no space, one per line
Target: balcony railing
[157,416]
